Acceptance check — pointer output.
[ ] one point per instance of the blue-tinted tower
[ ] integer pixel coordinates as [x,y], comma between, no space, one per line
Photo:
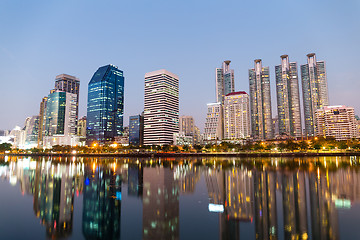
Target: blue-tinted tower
[136,130]
[105,107]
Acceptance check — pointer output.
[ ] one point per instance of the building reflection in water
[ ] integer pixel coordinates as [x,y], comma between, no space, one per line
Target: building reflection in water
[281,203]
[101,203]
[160,204]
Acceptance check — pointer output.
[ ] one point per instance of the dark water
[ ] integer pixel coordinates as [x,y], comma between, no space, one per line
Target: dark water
[193,198]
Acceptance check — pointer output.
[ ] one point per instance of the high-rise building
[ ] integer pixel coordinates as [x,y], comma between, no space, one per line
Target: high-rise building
[41,130]
[336,121]
[187,125]
[136,130]
[31,132]
[105,107]
[81,127]
[236,115]
[224,81]
[214,122]
[60,119]
[288,98]
[161,107]
[70,84]
[315,91]
[260,102]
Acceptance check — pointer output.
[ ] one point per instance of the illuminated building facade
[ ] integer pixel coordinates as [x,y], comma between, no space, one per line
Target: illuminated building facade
[260,102]
[315,91]
[236,116]
[105,106]
[288,98]
[336,121]
[60,119]
[224,81]
[214,122]
[136,130]
[161,107]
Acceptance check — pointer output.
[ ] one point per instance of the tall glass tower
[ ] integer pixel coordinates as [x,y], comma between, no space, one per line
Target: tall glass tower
[288,98]
[315,90]
[105,107]
[260,102]
[224,81]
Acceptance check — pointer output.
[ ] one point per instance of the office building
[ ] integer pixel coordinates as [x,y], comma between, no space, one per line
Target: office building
[81,127]
[136,130]
[41,130]
[336,121]
[288,98]
[260,102]
[70,84]
[236,116]
[315,91]
[161,107]
[60,119]
[181,139]
[224,81]
[214,122]
[31,132]
[105,107]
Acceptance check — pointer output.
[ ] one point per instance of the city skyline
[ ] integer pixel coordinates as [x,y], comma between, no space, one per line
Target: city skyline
[35,48]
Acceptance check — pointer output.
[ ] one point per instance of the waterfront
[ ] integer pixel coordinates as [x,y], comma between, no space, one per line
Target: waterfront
[179,198]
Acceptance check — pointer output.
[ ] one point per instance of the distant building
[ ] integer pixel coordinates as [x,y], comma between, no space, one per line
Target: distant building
[224,81]
[60,119]
[161,107]
[81,127]
[288,98]
[105,107]
[357,118]
[136,130]
[214,122]
[31,132]
[236,116]
[275,122]
[315,91]
[260,102]
[181,139]
[187,126]
[122,140]
[197,135]
[42,120]
[336,121]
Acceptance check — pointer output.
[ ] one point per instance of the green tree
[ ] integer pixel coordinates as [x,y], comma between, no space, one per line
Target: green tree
[198,147]
[5,147]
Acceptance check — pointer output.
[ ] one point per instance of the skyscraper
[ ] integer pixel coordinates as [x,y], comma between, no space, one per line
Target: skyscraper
[41,130]
[187,125]
[236,116]
[161,107]
[288,98]
[315,91]
[60,119]
[224,81]
[70,84]
[260,102]
[136,130]
[105,107]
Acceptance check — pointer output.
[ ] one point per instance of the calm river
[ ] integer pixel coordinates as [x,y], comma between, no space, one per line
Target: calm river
[190,198]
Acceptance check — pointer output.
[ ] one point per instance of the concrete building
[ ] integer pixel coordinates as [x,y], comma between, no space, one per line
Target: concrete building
[260,102]
[161,107]
[31,132]
[181,139]
[136,130]
[236,116]
[224,81]
[336,121]
[315,91]
[214,122]
[288,98]
[42,121]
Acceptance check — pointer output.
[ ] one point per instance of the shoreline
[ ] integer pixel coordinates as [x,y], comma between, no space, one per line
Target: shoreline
[161,154]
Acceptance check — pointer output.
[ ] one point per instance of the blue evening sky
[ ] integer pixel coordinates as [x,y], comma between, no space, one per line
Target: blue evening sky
[41,39]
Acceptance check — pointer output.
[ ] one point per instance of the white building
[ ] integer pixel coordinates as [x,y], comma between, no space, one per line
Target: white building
[161,107]
[214,123]
[180,139]
[236,116]
[336,121]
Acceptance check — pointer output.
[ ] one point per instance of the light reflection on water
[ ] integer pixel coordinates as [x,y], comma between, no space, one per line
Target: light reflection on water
[259,198]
